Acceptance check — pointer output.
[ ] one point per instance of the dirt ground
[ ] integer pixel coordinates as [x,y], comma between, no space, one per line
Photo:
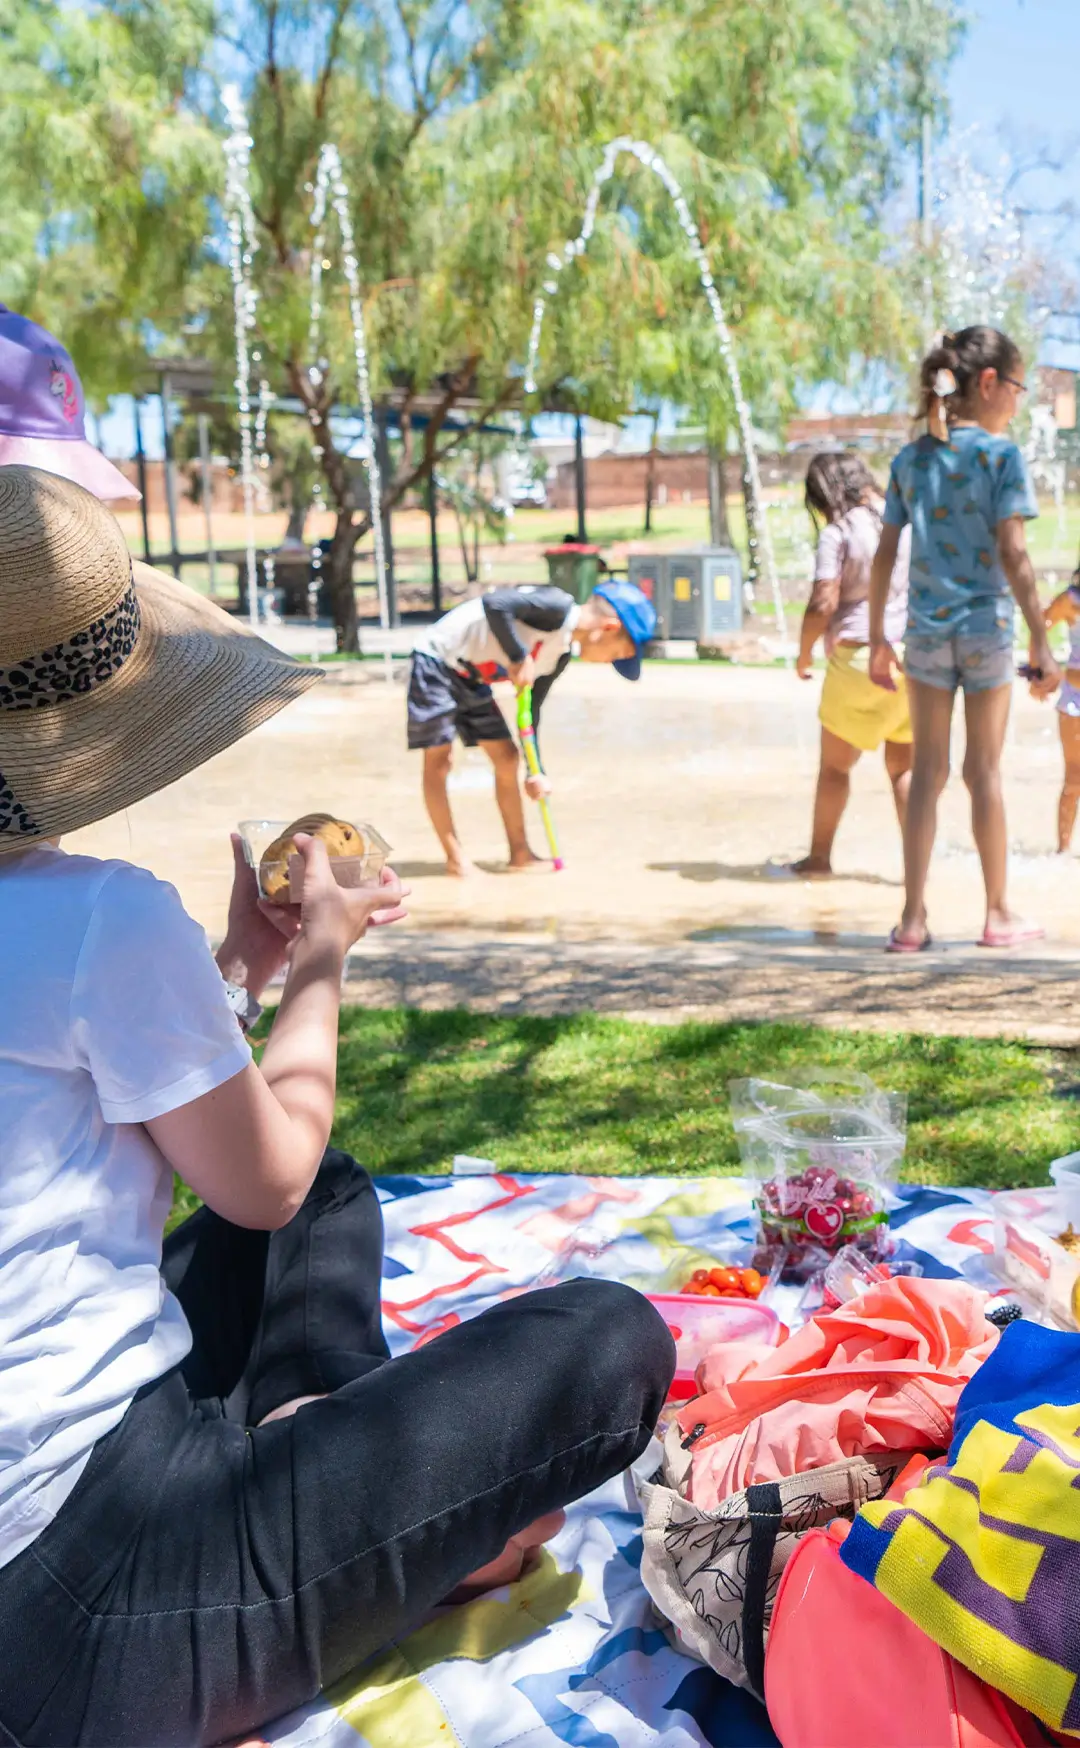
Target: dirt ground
[671,797]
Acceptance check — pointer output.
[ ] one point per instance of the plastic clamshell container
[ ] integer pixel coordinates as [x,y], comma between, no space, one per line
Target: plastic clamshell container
[259,834]
[1027,1224]
[698,1324]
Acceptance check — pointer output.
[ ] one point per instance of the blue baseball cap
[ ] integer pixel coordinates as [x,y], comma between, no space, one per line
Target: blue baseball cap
[637,615]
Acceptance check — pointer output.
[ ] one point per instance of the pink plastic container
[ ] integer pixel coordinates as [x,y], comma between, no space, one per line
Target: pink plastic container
[698,1324]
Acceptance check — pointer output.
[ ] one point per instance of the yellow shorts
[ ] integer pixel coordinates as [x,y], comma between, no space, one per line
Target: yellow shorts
[856,710]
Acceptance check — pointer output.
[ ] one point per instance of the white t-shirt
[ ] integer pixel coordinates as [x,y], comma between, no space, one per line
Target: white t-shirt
[845,550]
[113,1013]
[465,639]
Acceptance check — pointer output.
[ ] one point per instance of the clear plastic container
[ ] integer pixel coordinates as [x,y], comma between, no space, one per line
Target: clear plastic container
[1028,1228]
[851,1273]
[699,1324]
[363,870]
[823,1152]
[1066,1170]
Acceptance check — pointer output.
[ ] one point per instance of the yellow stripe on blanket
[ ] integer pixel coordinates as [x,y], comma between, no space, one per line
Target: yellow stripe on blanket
[389,1705]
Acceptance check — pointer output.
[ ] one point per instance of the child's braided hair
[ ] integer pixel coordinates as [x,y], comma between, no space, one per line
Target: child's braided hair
[838,481]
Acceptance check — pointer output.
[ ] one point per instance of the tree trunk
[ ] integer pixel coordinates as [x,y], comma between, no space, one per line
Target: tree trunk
[753,563]
[339,568]
[650,474]
[294,531]
[463,542]
[719,529]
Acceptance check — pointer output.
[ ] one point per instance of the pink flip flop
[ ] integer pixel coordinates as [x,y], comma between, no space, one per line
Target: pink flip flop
[897,944]
[1012,937]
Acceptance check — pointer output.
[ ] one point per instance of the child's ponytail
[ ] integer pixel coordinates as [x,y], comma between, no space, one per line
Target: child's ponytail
[951,370]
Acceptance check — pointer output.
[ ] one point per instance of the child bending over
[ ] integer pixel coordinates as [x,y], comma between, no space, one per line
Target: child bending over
[526,634]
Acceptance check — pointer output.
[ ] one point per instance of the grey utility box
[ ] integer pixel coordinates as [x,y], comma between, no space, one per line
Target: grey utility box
[697,595]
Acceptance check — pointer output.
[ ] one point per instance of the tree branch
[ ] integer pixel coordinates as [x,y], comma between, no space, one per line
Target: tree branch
[435,49]
[273,78]
[316,403]
[407,32]
[333,43]
[405,479]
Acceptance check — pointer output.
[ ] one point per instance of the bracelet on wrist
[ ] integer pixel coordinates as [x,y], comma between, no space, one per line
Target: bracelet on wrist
[243,1004]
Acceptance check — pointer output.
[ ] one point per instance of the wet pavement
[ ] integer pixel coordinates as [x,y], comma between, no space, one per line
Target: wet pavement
[671,799]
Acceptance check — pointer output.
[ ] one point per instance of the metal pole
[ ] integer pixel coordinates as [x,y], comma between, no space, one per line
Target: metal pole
[207,496]
[926,214]
[433,518]
[926,193]
[382,454]
[140,462]
[170,477]
[579,479]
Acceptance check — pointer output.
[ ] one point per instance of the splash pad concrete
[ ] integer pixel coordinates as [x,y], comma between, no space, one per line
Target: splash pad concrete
[672,797]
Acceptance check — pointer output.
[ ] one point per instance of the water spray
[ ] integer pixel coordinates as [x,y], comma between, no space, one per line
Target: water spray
[242,247]
[758,534]
[331,192]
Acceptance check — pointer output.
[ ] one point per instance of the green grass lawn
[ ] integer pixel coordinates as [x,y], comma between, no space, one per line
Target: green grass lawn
[584,1094]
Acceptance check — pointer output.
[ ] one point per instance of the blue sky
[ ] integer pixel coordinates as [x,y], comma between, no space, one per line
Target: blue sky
[1021,65]
[1016,83]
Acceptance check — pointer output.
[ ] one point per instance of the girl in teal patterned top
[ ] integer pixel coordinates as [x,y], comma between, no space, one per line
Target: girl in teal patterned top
[964,490]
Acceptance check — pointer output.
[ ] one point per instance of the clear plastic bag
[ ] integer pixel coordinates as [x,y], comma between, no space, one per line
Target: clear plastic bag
[821,1153]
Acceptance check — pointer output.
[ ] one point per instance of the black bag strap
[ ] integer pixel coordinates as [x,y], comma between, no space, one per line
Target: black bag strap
[766,1514]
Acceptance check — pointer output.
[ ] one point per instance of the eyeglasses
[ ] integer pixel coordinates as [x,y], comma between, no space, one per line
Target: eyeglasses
[1011,380]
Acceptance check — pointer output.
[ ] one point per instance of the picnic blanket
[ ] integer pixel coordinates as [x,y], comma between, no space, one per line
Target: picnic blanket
[573,1654]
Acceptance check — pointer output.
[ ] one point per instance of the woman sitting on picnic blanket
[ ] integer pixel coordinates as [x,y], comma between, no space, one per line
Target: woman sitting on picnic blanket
[218,1493]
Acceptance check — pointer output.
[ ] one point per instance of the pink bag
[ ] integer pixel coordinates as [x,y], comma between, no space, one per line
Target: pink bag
[844,1668]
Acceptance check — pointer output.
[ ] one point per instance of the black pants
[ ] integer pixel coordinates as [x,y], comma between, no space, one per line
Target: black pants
[204,1578]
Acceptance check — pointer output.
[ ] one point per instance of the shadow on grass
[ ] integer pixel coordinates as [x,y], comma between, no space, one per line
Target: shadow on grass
[581,1093]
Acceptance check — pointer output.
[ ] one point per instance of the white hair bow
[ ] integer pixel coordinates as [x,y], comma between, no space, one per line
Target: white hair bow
[944,384]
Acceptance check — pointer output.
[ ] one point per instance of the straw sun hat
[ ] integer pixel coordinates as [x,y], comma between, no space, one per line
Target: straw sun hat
[114,679]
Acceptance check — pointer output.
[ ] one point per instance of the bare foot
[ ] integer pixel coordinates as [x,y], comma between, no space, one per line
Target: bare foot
[524,862]
[520,1555]
[811,868]
[288,1409]
[460,868]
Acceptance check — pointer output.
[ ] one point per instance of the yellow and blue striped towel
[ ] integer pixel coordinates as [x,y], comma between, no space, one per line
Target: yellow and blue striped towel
[984,1555]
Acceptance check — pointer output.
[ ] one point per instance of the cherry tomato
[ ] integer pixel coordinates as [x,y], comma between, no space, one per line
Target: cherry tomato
[752,1282]
[691,1287]
[727,1280]
[709,1291]
[699,1277]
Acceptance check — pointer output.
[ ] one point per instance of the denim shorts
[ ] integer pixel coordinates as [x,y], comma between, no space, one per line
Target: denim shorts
[973,664]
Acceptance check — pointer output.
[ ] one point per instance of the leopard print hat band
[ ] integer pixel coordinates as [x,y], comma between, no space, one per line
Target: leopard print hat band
[74,667]
[115,681]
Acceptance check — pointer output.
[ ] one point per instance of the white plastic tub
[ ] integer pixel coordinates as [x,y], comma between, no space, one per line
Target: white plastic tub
[1027,1227]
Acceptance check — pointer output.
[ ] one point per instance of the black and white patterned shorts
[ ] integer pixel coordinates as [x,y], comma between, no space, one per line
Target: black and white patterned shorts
[443,703]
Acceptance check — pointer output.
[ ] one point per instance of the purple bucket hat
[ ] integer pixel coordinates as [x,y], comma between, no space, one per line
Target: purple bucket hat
[42,422]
